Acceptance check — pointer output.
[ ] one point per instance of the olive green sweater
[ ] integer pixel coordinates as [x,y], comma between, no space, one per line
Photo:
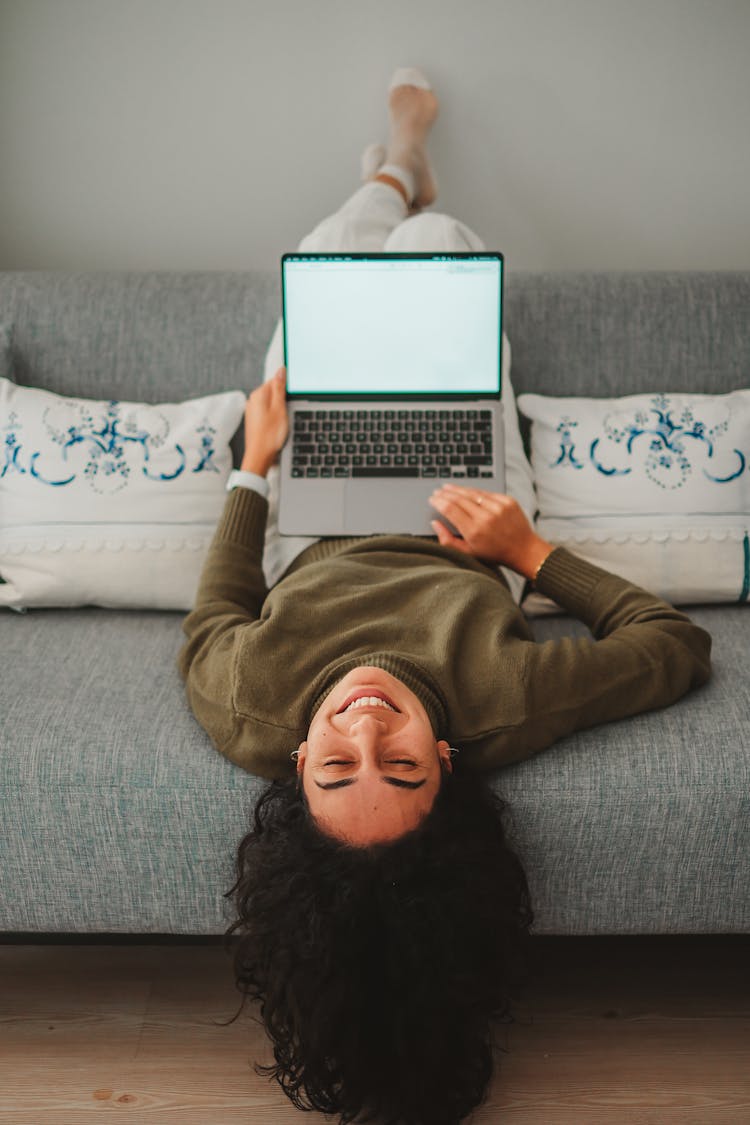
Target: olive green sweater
[258,662]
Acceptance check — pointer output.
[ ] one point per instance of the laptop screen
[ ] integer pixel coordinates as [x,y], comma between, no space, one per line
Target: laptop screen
[392,324]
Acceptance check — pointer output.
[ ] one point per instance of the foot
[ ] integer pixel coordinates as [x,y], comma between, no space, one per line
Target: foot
[412,111]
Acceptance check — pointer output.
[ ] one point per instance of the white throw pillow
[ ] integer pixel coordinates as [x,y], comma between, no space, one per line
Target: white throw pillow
[109,503]
[653,487]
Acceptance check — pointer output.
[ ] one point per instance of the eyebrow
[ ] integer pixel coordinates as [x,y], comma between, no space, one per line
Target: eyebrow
[399,782]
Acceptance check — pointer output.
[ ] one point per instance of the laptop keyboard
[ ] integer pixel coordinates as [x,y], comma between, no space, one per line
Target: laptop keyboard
[392,443]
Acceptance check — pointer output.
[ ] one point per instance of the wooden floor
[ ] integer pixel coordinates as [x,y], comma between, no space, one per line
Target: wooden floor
[637,1030]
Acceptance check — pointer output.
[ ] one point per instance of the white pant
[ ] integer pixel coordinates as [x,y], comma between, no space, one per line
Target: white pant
[375,218]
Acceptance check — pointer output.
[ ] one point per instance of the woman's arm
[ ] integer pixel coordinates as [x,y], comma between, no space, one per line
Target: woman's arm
[232,587]
[266,424]
[645,654]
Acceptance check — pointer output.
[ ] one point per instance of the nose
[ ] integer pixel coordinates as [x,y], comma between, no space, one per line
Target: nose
[367,728]
[368,722]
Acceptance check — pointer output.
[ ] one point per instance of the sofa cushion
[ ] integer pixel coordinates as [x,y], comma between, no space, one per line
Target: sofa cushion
[643,826]
[146,337]
[110,503]
[132,821]
[653,487]
[620,333]
[6,364]
[124,817]
[167,336]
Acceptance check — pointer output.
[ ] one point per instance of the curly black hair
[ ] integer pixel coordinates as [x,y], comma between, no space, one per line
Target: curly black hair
[381,969]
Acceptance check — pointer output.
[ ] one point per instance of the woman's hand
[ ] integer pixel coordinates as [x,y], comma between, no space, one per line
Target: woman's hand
[266,424]
[494,527]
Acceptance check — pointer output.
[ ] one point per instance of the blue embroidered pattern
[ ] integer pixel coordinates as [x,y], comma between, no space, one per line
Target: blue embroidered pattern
[665,457]
[567,448]
[106,443]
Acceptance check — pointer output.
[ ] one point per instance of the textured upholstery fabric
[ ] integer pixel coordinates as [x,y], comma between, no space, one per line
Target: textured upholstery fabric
[647,820]
[5,359]
[121,817]
[610,334]
[117,813]
[146,337]
[165,335]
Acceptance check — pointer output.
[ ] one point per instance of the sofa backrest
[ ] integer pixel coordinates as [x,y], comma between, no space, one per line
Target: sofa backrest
[167,336]
[146,337]
[604,334]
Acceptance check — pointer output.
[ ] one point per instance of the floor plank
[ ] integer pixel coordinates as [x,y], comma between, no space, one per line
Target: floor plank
[649,1031]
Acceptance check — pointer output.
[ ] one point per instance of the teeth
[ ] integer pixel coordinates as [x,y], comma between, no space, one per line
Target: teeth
[369,701]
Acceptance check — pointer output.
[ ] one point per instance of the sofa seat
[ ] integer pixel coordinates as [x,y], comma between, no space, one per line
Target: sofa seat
[637,827]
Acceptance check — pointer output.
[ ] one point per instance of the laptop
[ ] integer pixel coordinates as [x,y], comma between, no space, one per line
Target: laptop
[393,386]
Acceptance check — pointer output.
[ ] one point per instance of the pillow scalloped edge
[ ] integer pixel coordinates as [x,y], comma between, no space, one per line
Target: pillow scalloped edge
[680,535]
[57,543]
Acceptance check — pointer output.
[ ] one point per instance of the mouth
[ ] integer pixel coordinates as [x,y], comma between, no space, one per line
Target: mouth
[367,698]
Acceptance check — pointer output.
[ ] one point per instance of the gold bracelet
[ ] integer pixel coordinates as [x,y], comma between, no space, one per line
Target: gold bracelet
[538,569]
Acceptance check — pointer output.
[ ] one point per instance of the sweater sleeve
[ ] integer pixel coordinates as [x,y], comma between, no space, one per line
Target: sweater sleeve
[644,655]
[229,600]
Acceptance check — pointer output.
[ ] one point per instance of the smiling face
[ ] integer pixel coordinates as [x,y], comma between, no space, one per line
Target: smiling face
[371,766]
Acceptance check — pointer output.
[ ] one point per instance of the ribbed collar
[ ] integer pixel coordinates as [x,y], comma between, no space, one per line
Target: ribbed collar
[416,679]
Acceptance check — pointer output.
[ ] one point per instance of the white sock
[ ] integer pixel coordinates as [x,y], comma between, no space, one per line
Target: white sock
[372,157]
[409,76]
[403,175]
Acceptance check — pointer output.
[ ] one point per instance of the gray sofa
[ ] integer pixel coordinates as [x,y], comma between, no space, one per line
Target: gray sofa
[117,814]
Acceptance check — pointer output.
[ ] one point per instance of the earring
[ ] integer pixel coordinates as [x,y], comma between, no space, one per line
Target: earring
[294,755]
[453,751]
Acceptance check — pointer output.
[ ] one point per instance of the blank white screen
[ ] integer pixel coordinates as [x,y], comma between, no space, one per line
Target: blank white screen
[416,326]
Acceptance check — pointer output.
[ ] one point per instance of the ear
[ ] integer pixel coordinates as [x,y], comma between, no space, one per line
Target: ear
[302,754]
[444,752]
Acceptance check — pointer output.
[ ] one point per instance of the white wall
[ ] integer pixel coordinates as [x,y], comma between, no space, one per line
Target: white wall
[212,134]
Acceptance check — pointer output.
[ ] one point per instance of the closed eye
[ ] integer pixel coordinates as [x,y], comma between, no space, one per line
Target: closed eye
[399,782]
[390,762]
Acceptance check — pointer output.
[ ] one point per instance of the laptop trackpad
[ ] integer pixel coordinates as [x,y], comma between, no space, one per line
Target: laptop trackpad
[375,506]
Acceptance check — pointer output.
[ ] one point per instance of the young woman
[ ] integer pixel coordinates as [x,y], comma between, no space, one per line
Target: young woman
[381,910]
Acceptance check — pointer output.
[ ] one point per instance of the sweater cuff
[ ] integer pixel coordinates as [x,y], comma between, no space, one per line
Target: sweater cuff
[568,581]
[244,518]
[241,478]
